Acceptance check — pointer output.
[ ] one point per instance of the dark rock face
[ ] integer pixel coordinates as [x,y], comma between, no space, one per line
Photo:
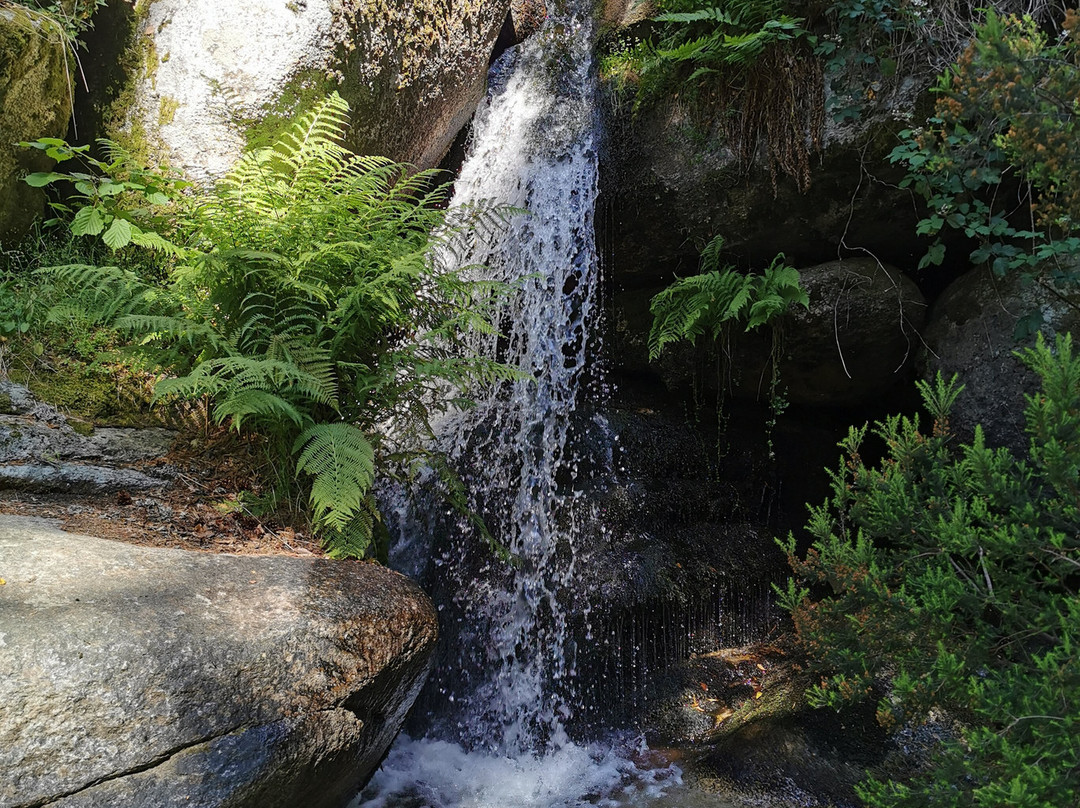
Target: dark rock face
[136,677]
[669,185]
[526,17]
[855,342]
[35,101]
[971,332]
[757,742]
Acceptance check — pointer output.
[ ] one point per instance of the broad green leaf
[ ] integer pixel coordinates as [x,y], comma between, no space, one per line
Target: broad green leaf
[87,222]
[42,178]
[118,235]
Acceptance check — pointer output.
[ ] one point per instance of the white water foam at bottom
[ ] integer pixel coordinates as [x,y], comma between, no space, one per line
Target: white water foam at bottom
[437,774]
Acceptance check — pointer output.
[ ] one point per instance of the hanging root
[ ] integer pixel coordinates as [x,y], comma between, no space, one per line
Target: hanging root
[777,106]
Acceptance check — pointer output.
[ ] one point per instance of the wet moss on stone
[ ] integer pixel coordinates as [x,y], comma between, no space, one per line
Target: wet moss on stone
[35,101]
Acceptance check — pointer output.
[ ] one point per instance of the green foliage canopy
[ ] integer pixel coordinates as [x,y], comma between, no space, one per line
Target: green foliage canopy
[1007,117]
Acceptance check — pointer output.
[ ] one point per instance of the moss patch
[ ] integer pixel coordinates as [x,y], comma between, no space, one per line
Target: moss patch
[134,58]
[89,393]
[80,426]
[167,110]
[302,92]
[34,102]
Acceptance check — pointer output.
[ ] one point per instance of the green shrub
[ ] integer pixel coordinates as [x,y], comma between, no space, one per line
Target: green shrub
[1000,159]
[314,298]
[946,577]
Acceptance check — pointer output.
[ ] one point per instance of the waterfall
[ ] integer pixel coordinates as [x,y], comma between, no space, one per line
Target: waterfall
[501,738]
[534,148]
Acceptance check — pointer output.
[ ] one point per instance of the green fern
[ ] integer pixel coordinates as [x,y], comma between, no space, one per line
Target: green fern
[708,303]
[315,302]
[341,462]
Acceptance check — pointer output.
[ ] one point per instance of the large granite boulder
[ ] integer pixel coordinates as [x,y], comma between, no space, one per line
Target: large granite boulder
[133,676]
[212,76]
[972,331]
[35,101]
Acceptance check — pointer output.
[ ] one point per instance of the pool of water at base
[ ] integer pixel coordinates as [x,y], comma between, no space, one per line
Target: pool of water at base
[621,772]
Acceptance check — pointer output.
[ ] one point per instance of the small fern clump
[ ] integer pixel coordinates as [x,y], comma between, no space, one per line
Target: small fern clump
[711,303]
[315,299]
[708,304]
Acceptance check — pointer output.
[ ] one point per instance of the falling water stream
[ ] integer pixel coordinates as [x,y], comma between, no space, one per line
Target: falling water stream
[499,737]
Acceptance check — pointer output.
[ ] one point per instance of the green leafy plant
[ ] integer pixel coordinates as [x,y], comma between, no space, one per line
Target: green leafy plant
[999,159]
[710,303]
[709,38]
[115,198]
[315,300]
[946,577]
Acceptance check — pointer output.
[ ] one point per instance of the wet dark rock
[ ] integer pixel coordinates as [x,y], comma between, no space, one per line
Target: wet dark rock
[526,17]
[134,676]
[972,332]
[741,716]
[672,519]
[670,184]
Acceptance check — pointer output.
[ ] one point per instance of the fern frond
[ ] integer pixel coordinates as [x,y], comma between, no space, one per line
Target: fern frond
[341,462]
[193,385]
[236,406]
[170,327]
[95,294]
[710,255]
[764,311]
[355,539]
[710,301]
[700,15]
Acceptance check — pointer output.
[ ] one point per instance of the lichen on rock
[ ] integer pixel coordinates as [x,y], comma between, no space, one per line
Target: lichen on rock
[213,78]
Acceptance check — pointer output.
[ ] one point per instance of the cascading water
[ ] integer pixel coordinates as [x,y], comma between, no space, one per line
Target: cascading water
[504,742]
[495,733]
[534,148]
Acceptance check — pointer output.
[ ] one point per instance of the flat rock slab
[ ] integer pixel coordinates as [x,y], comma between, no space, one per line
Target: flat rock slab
[133,676]
[75,478]
[41,451]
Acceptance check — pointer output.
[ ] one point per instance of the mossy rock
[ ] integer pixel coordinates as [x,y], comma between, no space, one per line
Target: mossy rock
[35,101]
[89,394]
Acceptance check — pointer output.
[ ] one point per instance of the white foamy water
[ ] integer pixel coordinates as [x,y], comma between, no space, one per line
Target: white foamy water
[438,774]
[534,147]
